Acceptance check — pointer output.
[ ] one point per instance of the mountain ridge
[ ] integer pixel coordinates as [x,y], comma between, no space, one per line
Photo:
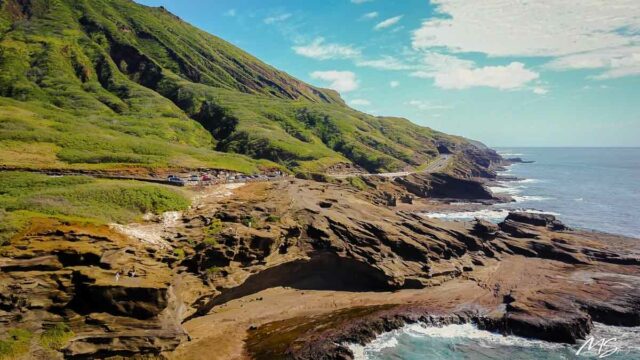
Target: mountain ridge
[121,60]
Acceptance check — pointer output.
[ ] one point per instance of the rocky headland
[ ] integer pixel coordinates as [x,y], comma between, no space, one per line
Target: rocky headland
[300,268]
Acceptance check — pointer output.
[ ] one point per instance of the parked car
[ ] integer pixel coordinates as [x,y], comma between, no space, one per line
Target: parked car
[176,181]
[194,178]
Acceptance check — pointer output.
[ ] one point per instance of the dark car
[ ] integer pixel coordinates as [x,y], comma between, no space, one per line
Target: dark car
[176,180]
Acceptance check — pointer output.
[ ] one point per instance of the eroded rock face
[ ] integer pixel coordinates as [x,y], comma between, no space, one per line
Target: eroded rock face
[63,273]
[525,274]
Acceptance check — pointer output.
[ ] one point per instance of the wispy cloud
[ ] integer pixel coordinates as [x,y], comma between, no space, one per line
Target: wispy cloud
[319,49]
[384,63]
[276,18]
[577,35]
[342,81]
[358,2]
[370,15]
[394,84]
[230,13]
[538,90]
[426,105]
[388,22]
[451,72]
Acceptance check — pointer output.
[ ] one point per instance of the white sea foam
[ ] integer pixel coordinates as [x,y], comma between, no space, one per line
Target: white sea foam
[626,338]
[506,189]
[523,198]
[383,341]
[494,215]
[510,154]
[469,331]
[528,181]
[463,332]
[489,214]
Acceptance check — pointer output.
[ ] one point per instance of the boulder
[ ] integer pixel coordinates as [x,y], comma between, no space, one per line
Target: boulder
[537,219]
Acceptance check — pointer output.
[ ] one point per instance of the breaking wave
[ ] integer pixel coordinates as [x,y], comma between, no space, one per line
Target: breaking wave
[466,341]
[493,215]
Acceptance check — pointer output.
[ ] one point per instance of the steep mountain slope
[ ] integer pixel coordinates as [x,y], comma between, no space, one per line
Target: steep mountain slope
[136,77]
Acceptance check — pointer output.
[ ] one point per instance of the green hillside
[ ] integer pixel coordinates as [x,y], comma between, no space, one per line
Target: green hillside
[110,83]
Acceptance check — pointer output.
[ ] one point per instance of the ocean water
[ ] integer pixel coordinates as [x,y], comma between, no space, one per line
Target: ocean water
[466,342]
[589,188]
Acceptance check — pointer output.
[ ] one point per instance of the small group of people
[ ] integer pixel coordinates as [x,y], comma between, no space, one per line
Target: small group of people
[131,273]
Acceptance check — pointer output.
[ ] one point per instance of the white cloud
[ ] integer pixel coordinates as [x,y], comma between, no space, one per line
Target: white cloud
[450,72]
[540,90]
[358,2]
[320,50]
[394,84]
[230,13]
[426,105]
[617,62]
[585,34]
[388,22]
[276,18]
[342,81]
[363,102]
[370,15]
[384,63]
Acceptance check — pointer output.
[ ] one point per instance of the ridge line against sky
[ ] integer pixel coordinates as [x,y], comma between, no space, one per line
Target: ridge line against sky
[508,73]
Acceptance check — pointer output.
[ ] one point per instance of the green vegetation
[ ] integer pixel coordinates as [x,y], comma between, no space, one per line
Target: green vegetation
[272,218]
[154,92]
[56,337]
[211,241]
[26,195]
[357,183]
[179,253]
[15,344]
[249,221]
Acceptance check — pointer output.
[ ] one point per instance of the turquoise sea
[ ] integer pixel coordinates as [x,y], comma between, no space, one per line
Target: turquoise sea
[589,188]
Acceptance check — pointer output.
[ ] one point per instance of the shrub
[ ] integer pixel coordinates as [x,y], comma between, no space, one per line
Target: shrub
[179,253]
[210,241]
[249,221]
[56,337]
[357,183]
[215,227]
[16,344]
[273,218]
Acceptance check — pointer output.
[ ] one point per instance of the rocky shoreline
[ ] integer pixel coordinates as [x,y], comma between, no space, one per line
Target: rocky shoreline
[555,319]
[299,268]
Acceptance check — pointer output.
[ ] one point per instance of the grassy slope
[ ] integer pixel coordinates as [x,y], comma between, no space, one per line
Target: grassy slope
[79,198]
[55,112]
[134,78]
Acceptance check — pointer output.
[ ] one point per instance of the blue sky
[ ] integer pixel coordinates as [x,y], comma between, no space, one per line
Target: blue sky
[543,73]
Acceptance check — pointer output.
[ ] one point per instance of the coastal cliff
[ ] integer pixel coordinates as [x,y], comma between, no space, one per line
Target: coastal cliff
[243,250]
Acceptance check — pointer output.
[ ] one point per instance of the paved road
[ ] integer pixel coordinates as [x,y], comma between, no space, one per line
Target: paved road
[438,164]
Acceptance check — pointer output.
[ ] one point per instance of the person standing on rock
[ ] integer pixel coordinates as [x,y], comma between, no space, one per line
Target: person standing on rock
[117,275]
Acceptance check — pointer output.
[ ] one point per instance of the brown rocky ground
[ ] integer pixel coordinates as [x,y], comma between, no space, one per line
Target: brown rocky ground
[294,268]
